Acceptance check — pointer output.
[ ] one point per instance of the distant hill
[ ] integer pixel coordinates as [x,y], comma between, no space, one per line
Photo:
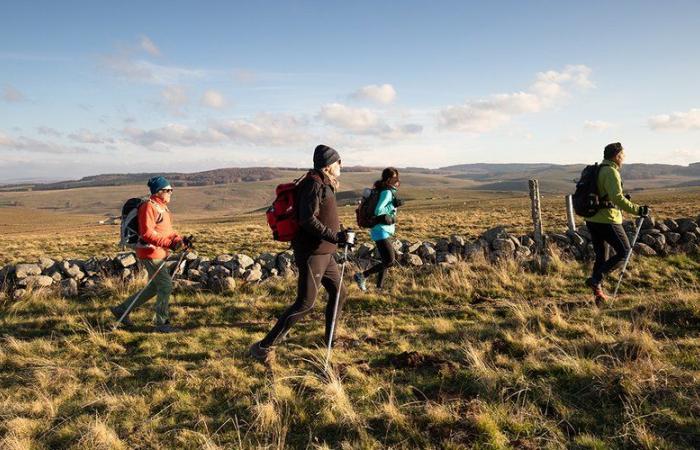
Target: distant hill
[481,176]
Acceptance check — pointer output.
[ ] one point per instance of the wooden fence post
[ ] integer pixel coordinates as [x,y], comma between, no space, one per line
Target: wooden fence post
[536,209]
[570,218]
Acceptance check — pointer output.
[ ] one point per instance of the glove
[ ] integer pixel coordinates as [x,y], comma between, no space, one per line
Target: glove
[644,211]
[397,202]
[176,244]
[386,219]
[341,237]
[188,241]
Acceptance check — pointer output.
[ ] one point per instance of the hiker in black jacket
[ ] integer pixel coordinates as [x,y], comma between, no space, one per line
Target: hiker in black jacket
[314,248]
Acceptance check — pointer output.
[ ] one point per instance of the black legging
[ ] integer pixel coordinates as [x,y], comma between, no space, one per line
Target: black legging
[386,252]
[314,271]
[613,234]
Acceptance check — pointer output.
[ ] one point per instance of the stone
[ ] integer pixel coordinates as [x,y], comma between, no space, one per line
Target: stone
[523,252]
[457,240]
[194,275]
[442,245]
[643,249]
[427,252]
[688,238]
[285,263]
[72,270]
[447,258]
[648,223]
[35,281]
[219,272]
[191,256]
[662,227]
[69,288]
[412,248]
[672,238]
[18,294]
[244,261]
[473,250]
[577,239]
[398,245]
[223,259]
[267,261]
[687,226]
[125,260]
[527,241]
[492,234]
[253,274]
[502,245]
[411,259]
[46,263]
[671,224]
[223,285]
[26,270]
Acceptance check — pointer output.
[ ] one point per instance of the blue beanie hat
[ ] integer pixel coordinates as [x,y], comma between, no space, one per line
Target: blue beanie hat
[155,184]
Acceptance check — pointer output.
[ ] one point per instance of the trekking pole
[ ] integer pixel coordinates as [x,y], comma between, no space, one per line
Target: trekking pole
[629,255]
[160,267]
[349,240]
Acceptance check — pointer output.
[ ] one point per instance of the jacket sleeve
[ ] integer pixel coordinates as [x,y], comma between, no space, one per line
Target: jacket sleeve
[147,227]
[309,205]
[613,187]
[385,199]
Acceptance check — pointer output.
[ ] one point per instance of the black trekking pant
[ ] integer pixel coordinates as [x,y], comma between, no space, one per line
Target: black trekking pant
[388,256]
[314,271]
[616,237]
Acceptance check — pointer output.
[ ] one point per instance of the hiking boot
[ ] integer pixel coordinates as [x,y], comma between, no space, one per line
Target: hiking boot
[361,281]
[117,313]
[265,355]
[164,328]
[598,293]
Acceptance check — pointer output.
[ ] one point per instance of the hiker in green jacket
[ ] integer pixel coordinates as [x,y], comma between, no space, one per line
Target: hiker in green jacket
[606,224]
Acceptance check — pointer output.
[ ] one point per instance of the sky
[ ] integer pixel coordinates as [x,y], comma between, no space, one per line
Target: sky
[113,87]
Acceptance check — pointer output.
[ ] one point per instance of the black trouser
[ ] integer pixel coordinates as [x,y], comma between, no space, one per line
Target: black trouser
[613,234]
[388,255]
[314,271]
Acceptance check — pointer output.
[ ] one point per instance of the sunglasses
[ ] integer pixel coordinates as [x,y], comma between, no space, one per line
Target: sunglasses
[167,191]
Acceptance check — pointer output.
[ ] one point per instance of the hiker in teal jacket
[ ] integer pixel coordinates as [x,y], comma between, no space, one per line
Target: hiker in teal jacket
[382,232]
[606,224]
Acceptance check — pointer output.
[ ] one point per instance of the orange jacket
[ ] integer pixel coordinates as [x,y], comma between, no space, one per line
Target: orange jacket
[156,228]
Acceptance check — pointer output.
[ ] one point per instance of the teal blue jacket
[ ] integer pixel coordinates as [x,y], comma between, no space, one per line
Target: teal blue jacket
[385,205]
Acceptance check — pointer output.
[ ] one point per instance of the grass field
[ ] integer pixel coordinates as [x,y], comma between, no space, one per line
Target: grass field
[474,356]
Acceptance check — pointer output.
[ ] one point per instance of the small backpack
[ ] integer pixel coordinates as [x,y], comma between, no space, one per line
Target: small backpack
[365,210]
[282,214]
[586,199]
[130,237]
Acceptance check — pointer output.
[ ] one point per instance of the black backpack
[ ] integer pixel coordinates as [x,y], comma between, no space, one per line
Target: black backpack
[365,210]
[129,235]
[586,199]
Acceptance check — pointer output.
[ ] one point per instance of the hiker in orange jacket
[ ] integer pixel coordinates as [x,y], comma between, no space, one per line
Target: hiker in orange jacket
[157,240]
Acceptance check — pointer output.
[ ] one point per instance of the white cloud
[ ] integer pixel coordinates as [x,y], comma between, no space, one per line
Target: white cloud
[263,129]
[174,98]
[124,65]
[11,94]
[213,99]
[364,121]
[481,115]
[149,47]
[597,125]
[25,144]
[381,94]
[678,121]
[359,120]
[48,131]
[88,137]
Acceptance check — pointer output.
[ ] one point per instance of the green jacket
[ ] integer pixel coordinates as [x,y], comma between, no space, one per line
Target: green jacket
[610,189]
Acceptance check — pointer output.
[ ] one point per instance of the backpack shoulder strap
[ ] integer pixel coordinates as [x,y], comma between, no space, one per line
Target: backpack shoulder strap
[161,210]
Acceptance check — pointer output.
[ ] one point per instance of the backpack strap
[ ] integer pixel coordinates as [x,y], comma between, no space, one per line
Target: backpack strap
[161,210]
[605,204]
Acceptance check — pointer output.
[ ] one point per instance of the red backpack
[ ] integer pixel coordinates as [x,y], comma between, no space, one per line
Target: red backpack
[282,214]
